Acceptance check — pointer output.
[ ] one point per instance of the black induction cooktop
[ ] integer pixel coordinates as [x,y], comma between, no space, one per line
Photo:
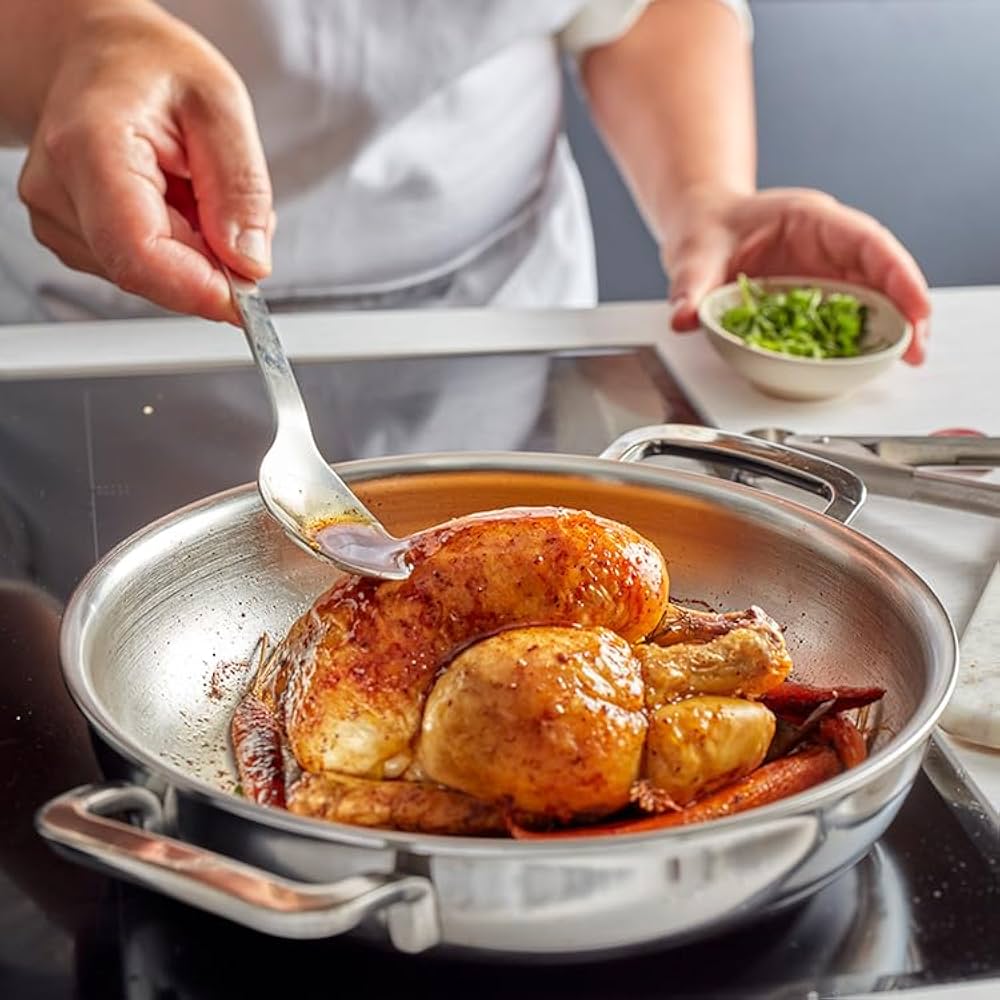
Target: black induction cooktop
[84,462]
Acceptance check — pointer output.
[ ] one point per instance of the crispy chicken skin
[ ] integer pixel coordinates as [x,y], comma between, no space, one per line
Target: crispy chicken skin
[351,677]
[549,719]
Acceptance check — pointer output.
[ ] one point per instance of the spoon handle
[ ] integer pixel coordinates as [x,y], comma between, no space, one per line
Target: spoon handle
[282,389]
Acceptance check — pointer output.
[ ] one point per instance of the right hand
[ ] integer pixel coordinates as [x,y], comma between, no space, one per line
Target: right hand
[146,162]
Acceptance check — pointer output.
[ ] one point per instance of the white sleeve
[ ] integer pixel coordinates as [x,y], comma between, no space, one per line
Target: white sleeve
[602,21]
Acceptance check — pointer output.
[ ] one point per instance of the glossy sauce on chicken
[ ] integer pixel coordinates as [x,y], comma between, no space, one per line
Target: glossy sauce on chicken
[353,673]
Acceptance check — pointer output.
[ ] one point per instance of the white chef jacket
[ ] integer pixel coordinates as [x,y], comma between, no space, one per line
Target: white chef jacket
[415,149]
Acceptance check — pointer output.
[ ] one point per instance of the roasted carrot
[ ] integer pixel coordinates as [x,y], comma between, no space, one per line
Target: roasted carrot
[840,733]
[768,783]
[796,699]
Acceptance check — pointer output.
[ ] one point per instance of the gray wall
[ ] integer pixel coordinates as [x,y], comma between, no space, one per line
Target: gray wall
[891,105]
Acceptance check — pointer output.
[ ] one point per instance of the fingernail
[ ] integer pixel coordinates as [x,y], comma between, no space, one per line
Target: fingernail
[252,244]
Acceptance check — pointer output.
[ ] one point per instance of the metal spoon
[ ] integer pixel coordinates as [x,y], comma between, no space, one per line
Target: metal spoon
[313,504]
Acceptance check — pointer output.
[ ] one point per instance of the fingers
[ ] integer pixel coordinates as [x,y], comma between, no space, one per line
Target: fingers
[117,191]
[698,270]
[97,202]
[883,263]
[229,177]
[66,245]
[885,260]
[903,282]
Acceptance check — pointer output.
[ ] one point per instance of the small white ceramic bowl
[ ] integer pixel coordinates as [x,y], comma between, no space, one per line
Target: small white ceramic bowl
[886,338]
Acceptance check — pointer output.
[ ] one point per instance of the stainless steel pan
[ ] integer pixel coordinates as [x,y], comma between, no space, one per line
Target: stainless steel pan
[156,640]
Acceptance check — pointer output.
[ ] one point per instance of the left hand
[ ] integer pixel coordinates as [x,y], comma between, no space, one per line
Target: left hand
[713,237]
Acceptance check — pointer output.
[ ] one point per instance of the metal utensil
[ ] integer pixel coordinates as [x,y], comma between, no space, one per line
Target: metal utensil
[315,506]
[897,466]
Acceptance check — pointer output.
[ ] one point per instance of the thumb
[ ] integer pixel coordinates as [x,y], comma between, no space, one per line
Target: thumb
[229,177]
[696,273]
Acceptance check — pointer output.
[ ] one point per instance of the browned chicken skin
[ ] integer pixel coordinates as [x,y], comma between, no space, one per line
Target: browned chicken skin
[513,716]
[697,745]
[353,673]
[508,677]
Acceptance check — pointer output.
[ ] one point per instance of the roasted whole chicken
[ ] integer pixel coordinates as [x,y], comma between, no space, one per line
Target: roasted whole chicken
[531,677]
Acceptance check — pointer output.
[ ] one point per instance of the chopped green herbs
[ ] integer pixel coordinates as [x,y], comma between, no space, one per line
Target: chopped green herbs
[799,321]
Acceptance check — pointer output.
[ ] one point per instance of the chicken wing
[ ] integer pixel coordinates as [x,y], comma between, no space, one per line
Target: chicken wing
[741,653]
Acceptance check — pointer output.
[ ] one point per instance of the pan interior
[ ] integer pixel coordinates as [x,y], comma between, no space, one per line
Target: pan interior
[158,642]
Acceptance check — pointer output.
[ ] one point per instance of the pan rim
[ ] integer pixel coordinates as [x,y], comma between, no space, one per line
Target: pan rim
[915,733]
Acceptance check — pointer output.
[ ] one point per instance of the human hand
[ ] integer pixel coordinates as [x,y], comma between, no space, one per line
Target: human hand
[146,162]
[786,231]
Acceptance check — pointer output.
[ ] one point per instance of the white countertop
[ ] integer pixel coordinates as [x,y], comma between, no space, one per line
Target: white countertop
[954,551]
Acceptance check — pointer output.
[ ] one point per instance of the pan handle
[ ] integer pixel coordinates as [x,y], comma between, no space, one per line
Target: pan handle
[844,491]
[79,823]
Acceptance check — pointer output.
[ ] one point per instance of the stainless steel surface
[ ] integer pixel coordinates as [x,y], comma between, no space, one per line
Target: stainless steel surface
[968,450]
[893,466]
[841,487]
[80,821]
[155,642]
[313,504]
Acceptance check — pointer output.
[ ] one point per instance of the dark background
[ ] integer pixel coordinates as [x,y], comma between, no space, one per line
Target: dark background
[891,105]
